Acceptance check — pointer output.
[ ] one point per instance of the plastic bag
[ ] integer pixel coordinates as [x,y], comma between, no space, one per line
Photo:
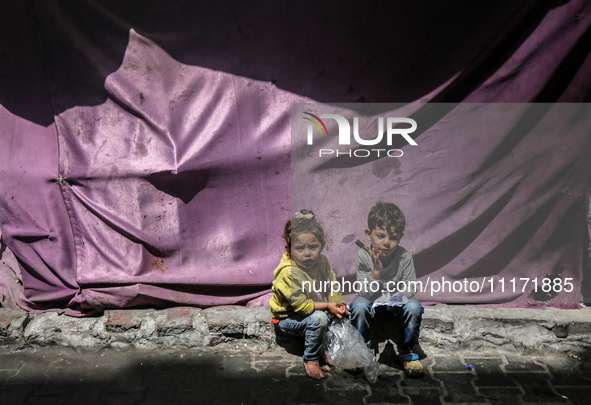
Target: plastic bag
[345,348]
[388,300]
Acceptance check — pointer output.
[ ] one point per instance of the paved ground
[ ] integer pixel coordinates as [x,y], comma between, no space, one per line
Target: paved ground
[228,374]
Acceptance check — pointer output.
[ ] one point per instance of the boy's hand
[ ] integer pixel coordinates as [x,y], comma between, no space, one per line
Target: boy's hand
[337,309]
[377,263]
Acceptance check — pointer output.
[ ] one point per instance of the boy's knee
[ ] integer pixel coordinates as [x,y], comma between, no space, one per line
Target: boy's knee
[413,307]
[360,307]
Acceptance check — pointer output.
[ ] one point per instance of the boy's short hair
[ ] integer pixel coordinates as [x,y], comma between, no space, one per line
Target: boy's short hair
[386,215]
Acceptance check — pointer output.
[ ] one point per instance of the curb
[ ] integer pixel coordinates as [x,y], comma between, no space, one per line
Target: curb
[444,328]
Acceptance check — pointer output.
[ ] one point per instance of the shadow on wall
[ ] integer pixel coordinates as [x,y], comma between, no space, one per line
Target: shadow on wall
[57,55]
[184,186]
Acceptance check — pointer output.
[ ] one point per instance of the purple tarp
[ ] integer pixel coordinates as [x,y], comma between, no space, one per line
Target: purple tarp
[155,169]
[141,209]
[493,194]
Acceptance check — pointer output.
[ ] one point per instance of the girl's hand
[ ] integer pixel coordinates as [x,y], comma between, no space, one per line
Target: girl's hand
[344,309]
[337,309]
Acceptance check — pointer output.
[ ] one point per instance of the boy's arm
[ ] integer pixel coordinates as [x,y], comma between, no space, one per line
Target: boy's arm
[365,266]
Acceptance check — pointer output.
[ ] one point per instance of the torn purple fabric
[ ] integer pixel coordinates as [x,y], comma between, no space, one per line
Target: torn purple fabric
[165,192]
[153,169]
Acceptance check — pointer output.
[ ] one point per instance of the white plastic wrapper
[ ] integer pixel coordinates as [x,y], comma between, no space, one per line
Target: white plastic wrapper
[345,348]
[389,300]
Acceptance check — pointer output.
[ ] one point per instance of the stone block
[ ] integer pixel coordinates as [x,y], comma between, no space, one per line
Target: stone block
[489,372]
[536,387]
[459,388]
[119,320]
[51,328]
[227,320]
[175,321]
[501,396]
[447,363]
[11,324]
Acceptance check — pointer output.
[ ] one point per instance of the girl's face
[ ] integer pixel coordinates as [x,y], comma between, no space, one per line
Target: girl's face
[305,250]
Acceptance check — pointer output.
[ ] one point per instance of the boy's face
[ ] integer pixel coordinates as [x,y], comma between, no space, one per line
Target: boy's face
[385,241]
[305,250]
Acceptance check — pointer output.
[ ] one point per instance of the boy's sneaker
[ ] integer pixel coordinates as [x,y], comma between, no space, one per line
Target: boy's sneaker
[412,366]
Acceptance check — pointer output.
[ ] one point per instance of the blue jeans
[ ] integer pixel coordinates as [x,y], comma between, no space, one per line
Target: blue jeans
[410,316]
[312,327]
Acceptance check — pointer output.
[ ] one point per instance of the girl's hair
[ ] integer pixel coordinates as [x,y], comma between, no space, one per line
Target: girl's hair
[303,221]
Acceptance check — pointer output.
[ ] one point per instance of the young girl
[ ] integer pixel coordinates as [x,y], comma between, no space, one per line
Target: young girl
[296,308]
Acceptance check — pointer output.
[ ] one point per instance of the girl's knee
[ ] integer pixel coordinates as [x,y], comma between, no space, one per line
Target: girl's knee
[320,319]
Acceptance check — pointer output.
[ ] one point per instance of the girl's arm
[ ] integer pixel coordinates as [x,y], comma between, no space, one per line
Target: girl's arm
[335,308]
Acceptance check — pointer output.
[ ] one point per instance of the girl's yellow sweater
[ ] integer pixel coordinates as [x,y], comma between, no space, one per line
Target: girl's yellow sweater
[296,289]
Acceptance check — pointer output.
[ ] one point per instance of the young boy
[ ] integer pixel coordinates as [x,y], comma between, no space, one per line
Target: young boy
[384,265]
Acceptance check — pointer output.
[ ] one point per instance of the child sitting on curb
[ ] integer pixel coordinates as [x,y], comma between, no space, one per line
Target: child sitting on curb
[385,263]
[295,310]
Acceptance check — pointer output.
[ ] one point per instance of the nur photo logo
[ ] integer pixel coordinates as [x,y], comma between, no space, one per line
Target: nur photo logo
[388,126]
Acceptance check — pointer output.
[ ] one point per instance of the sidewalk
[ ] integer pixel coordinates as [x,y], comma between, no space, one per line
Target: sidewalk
[445,328]
[57,375]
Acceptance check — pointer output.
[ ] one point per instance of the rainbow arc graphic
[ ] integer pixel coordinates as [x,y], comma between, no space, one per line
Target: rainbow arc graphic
[316,123]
